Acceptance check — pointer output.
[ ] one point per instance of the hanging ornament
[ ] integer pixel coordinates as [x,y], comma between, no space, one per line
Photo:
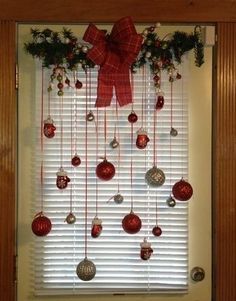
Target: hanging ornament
[182,190]
[114,143]
[142,139]
[75,161]
[118,198]
[131,223]
[160,100]
[86,270]
[171,201]
[178,75]
[41,225]
[90,116]
[78,84]
[156,231]
[132,118]
[96,227]
[173,132]
[62,178]
[146,250]
[105,170]
[70,219]
[49,128]
[155,177]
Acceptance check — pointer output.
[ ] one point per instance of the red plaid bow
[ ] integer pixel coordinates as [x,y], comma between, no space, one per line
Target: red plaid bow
[114,53]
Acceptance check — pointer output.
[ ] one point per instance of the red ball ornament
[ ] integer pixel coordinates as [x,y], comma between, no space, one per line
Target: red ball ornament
[60,86]
[105,170]
[75,161]
[156,231]
[78,84]
[160,101]
[41,225]
[131,223]
[182,190]
[132,118]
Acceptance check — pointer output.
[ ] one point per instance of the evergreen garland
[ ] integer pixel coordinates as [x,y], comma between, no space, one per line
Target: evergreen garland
[63,49]
[163,54]
[58,49]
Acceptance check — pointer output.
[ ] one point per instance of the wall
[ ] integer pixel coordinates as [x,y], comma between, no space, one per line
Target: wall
[223,14]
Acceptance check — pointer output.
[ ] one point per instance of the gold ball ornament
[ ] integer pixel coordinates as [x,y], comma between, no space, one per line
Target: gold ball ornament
[86,270]
[70,219]
[155,177]
[118,198]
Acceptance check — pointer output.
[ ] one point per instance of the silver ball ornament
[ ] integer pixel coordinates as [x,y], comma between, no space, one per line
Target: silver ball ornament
[148,54]
[155,177]
[171,201]
[173,132]
[90,116]
[114,143]
[86,270]
[85,49]
[70,219]
[118,198]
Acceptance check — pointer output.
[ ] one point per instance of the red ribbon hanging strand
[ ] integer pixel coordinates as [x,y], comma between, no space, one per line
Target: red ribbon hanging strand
[114,53]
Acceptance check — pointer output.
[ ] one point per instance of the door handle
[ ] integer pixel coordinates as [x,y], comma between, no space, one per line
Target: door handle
[197,274]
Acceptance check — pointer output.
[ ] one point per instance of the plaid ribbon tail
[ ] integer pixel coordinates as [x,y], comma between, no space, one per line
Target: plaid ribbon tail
[104,88]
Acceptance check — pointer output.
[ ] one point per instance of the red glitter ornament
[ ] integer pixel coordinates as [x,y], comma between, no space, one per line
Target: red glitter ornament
[131,223]
[160,101]
[132,118]
[142,139]
[182,190]
[96,227]
[156,231]
[75,161]
[41,225]
[49,128]
[105,170]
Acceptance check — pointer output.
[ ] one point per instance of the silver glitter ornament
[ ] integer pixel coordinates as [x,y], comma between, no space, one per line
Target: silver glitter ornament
[171,201]
[86,270]
[118,198]
[114,143]
[173,132]
[155,177]
[90,116]
[70,219]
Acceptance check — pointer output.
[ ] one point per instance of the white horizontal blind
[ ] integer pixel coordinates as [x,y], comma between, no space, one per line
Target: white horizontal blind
[115,253]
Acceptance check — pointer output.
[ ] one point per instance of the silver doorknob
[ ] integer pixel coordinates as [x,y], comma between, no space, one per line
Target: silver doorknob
[197,274]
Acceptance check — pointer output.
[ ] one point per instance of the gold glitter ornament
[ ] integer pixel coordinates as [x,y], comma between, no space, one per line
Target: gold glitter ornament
[86,270]
[155,177]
